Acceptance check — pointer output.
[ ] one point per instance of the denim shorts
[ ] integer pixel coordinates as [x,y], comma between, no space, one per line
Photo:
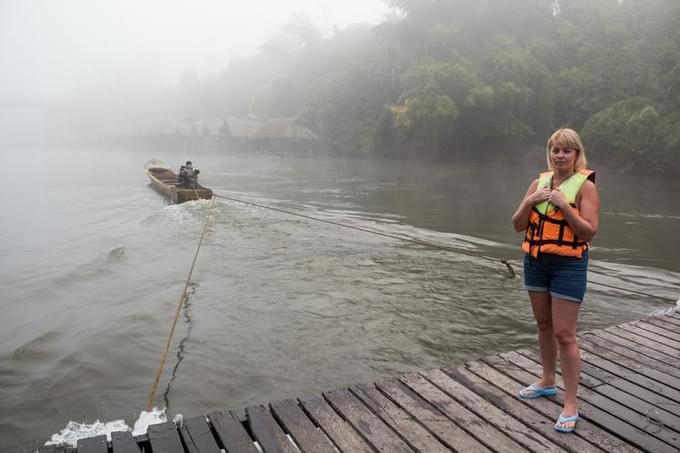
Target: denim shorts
[564,277]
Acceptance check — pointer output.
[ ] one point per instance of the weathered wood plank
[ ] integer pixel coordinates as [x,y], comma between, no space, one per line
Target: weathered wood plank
[51,449]
[660,328]
[639,438]
[307,436]
[377,433]
[231,433]
[605,346]
[587,438]
[534,355]
[96,444]
[673,345]
[635,363]
[197,437]
[410,430]
[267,432]
[480,428]
[123,442]
[629,380]
[338,430]
[501,420]
[669,437]
[437,423]
[632,334]
[164,437]
[672,318]
[633,346]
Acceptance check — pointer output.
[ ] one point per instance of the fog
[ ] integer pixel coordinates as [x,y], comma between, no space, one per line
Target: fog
[78,56]
[49,48]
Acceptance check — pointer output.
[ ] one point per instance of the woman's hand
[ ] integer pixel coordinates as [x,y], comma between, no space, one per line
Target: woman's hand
[538,196]
[557,198]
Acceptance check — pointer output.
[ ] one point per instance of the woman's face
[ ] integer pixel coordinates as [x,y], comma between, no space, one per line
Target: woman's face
[563,157]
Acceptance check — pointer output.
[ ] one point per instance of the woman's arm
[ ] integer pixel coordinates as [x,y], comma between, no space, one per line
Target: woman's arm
[520,219]
[584,225]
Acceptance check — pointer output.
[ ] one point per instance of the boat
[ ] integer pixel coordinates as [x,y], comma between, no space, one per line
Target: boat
[164,180]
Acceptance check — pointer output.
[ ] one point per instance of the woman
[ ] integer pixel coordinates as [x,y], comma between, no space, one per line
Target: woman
[560,215]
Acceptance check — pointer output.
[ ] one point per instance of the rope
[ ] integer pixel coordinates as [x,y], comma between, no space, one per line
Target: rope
[511,271]
[180,304]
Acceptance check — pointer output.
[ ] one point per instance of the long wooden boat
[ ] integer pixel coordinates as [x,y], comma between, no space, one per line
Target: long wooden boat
[164,180]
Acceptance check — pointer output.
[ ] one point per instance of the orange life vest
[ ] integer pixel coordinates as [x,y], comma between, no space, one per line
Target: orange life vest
[548,230]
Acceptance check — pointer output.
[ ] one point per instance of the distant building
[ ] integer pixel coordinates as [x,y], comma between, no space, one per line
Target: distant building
[285,136]
[276,135]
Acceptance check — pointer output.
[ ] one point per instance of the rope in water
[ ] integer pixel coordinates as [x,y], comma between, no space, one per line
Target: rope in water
[508,266]
[180,304]
[368,230]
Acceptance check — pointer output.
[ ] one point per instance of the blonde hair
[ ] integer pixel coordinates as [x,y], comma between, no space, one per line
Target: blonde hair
[568,138]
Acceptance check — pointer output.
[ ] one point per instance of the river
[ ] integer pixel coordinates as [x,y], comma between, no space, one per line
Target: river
[93,262]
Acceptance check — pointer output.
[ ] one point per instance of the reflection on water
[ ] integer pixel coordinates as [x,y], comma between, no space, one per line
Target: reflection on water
[92,268]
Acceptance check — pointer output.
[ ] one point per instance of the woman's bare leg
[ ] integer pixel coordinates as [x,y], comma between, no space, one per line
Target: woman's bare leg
[541,304]
[564,317]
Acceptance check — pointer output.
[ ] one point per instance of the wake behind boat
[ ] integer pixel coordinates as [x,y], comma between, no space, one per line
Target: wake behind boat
[165,181]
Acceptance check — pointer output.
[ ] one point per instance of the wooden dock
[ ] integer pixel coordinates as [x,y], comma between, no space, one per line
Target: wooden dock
[629,401]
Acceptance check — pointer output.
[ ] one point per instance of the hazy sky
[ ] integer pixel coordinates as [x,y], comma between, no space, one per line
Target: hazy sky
[48,47]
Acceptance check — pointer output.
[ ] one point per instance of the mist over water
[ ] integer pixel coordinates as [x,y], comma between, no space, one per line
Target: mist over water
[93,262]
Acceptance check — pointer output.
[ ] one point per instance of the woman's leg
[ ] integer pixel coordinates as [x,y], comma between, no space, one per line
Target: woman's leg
[564,317]
[541,304]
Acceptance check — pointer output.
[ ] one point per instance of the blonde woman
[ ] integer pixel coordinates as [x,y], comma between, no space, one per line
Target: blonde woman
[559,215]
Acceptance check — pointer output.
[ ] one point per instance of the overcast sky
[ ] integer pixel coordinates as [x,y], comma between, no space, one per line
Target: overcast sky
[48,47]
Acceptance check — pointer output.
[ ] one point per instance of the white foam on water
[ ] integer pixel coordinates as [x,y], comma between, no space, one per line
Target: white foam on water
[148,418]
[75,430]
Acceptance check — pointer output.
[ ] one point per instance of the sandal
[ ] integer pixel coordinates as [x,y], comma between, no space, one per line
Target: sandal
[534,391]
[562,422]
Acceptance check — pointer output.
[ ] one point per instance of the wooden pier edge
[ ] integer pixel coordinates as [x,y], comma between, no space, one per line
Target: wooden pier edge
[629,401]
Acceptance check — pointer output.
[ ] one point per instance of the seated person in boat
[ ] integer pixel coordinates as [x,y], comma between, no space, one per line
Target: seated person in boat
[193,179]
[185,174]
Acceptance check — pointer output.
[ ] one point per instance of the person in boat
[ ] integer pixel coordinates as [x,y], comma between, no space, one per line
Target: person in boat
[560,215]
[185,174]
[193,180]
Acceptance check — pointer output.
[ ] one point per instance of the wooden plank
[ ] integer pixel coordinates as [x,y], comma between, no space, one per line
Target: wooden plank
[653,336]
[502,388]
[660,328]
[267,432]
[197,437]
[638,398]
[673,319]
[506,423]
[671,438]
[640,385]
[307,436]
[639,438]
[478,427]
[534,355]
[164,437]
[604,346]
[377,433]
[96,444]
[231,433]
[338,430]
[410,430]
[437,423]
[633,346]
[631,334]
[635,363]
[123,442]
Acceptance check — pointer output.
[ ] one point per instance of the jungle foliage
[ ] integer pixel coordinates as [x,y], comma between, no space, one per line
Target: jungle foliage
[461,79]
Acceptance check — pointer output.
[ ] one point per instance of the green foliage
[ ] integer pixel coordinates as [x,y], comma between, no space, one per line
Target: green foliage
[449,79]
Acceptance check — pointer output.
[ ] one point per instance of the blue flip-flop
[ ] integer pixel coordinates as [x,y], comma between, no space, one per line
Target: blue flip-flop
[534,391]
[562,420]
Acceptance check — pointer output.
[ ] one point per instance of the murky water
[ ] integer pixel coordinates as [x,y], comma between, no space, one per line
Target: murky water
[93,262]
